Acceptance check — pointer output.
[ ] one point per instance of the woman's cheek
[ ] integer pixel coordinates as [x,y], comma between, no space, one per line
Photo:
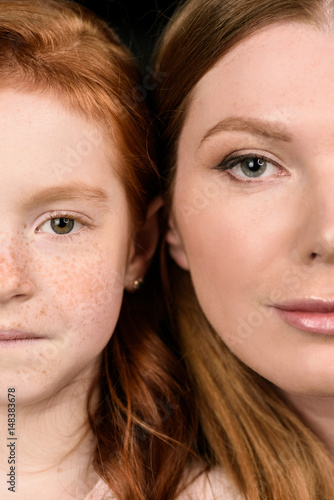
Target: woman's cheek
[237,258]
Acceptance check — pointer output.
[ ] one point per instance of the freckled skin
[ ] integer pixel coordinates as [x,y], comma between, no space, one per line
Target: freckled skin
[239,241]
[69,291]
[65,288]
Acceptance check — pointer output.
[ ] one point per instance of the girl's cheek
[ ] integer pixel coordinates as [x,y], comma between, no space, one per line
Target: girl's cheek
[92,291]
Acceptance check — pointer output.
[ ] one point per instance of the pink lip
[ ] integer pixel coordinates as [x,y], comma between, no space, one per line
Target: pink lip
[311,315]
[17,335]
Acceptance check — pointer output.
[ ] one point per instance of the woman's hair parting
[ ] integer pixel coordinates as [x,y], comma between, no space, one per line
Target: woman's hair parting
[144,421]
[262,445]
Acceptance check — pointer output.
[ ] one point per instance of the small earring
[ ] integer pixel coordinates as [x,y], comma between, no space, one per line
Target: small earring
[138,283]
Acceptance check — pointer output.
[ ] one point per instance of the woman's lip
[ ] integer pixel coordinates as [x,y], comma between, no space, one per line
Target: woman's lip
[310,316]
[308,305]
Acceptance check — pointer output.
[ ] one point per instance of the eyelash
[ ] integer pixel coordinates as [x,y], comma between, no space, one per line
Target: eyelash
[65,215]
[234,161]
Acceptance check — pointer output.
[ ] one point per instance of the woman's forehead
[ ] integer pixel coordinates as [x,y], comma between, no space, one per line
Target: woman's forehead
[281,73]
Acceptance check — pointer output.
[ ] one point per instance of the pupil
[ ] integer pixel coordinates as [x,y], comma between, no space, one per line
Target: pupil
[255,164]
[62,225]
[253,167]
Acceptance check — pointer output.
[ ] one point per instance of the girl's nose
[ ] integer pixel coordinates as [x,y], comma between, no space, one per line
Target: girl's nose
[14,280]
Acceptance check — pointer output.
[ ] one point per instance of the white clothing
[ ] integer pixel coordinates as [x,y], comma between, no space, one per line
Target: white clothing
[100,491]
[211,486]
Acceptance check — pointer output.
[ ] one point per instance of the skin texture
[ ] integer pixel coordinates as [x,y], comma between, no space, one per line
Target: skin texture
[56,286]
[65,288]
[271,240]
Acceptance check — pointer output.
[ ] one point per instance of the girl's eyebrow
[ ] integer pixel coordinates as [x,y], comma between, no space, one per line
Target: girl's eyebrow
[264,128]
[73,192]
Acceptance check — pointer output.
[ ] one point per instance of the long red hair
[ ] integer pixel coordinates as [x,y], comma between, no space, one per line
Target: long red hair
[144,420]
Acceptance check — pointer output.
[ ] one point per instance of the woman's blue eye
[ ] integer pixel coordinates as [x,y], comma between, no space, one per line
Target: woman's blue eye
[248,166]
[253,167]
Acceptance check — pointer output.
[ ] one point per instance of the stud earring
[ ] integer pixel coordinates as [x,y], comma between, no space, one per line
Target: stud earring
[138,283]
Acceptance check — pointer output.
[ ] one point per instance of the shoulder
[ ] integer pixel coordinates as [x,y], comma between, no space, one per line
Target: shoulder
[212,485]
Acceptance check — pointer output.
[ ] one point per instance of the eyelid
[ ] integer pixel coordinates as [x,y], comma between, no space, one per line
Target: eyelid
[234,159]
[64,214]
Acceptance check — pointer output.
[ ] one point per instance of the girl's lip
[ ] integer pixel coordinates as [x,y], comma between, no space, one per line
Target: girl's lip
[17,335]
[316,316]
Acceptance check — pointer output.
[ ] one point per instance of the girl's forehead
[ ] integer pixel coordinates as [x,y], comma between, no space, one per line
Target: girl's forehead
[44,145]
[39,117]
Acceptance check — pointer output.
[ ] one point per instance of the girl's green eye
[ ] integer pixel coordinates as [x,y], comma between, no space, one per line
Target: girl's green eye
[59,226]
[62,225]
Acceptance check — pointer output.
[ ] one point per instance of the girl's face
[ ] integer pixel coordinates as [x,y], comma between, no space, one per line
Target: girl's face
[64,245]
[253,208]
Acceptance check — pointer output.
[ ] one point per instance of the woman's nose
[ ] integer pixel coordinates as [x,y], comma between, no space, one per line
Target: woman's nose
[315,240]
[14,280]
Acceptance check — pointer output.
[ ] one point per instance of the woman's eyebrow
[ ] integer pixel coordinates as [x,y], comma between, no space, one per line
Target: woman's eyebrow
[255,126]
[73,192]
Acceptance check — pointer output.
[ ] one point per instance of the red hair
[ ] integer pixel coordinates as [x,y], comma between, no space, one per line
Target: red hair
[144,420]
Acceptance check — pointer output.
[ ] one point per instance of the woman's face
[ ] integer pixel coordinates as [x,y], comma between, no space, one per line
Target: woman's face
[253,208]
[64,245]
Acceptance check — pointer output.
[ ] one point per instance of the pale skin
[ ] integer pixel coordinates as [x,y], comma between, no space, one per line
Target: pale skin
[65,288]
[250,245]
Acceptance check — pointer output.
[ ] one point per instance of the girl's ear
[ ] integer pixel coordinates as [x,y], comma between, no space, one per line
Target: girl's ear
[176,247]
[144,246]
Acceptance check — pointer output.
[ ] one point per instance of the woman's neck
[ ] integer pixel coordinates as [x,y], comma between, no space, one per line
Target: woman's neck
[53,448]
[318,415]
